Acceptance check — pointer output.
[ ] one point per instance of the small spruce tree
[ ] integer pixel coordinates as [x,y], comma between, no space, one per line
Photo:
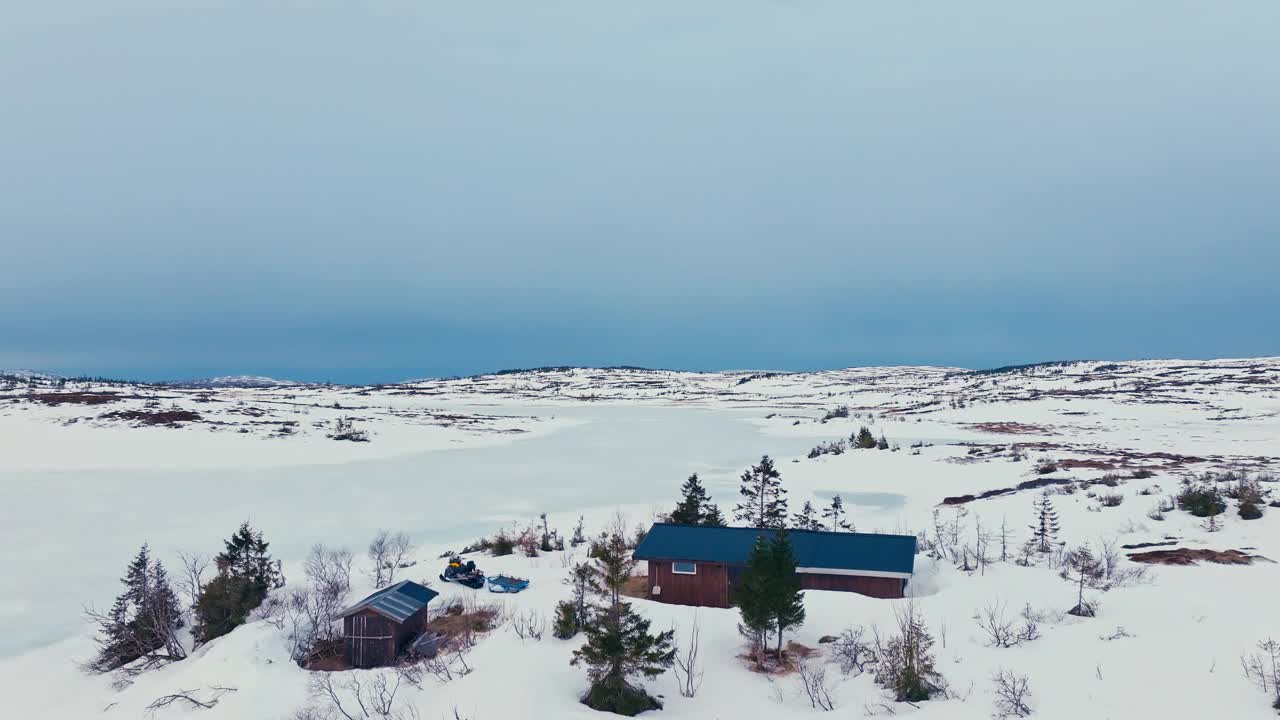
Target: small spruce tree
[1044,531]
[751,595]
[764,502]
[619,647]
[143,621]
[864,439]
[692,506]
[807,518]
[835,515]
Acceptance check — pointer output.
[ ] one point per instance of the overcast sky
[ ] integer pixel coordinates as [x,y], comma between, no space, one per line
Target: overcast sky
[377,191]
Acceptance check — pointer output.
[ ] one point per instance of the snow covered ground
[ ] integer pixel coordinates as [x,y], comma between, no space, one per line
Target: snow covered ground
[91,470]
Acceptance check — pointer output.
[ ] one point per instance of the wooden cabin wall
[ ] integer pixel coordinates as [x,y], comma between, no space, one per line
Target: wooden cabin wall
[371,639]
[876,587]
[708,588]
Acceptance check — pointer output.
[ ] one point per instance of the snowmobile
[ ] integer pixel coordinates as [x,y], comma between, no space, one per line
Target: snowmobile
[463,572]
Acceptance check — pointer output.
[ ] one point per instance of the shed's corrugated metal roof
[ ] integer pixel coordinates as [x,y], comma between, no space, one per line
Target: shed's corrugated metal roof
[396,602]
[869,552]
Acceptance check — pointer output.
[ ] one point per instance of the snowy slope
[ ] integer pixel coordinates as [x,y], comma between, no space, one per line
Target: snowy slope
[464,457]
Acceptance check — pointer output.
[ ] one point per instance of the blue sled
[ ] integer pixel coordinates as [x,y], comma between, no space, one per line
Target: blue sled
[506,584]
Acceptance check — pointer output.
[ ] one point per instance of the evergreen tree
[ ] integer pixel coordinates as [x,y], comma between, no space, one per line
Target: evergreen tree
[619,646]
[691,508]
[807,518]
[864,439]
[768,592]
[751,595]
[711,516]
[246,575]
[245,556]
[786,600]
[835,515]
[1087,567]
[1044,531]
[882,443]
[143,620]
[764,504]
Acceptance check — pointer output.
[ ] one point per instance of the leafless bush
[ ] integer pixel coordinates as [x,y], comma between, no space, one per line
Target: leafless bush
[387,554]
[999,631]
[191,582]
[448,666]
[190,699]
[1118,634]
[852,651]
[357,696]
[1013,694]
[1031,620]
[813,680]
[528,626]
[687,670]
[1263,668]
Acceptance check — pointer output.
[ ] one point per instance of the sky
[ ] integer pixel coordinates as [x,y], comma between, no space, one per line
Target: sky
[360,192]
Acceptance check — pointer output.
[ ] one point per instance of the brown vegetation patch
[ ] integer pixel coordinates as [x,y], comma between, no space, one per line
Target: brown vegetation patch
[1187,556]
[1012,428]
[75,398]
[171,418]
[1027,485]
[460,624]
[771,664]
[637,587]
[1089,463]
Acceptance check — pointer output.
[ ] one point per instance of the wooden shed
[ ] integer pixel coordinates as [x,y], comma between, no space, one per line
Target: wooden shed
[698,565]
[378,628]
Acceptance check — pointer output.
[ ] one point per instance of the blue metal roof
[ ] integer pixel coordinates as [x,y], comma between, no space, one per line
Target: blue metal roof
[397,602]
[868,552]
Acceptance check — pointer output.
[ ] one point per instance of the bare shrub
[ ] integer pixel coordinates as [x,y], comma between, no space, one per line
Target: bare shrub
[1013,694]
[388,553]
[189,698]
[687,669]
[357,696]
[528,626]
[852,651]
[813,680]
[1263,669]
[999,631]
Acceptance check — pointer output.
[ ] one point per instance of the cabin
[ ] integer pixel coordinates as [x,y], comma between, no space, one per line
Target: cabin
[698,565]
[379,628]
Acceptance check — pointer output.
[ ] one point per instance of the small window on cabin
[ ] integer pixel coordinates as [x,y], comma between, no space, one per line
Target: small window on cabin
[684,568]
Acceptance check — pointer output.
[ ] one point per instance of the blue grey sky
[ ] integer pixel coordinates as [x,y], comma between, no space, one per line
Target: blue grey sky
[377,191]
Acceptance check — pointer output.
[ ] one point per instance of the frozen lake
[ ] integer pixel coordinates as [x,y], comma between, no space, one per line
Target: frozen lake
[76,530]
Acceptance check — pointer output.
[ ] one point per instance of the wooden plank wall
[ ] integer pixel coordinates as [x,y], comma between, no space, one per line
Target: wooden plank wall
[709,588]
[876,587]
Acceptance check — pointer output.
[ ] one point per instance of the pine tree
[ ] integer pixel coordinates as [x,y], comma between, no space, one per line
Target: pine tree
[764,504]
[1087,567]
[619,646]
[711,516]
[768,592]
[691,508]
[786,600]
[246,575]
[864,439]
[143,620]
[751,595]
[882,443]
[1045,529]
[807,518]
[834,514]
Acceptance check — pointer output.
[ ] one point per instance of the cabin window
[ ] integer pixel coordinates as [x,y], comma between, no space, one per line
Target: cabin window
[684,568]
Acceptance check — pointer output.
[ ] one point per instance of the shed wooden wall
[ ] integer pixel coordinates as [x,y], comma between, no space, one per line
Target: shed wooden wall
[372,640]
[877,587]
[708,588]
